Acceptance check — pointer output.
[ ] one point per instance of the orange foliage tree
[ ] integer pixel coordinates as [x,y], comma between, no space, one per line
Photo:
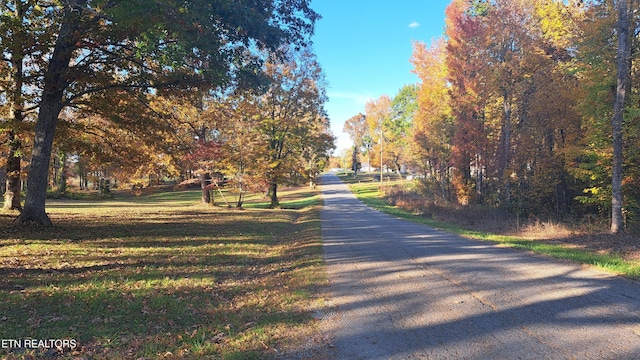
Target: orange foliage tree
[432,128]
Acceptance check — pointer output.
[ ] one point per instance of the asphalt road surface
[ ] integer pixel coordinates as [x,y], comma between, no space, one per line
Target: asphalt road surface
[400,290]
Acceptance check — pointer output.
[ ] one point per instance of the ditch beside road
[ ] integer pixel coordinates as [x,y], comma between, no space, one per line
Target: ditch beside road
[400,290]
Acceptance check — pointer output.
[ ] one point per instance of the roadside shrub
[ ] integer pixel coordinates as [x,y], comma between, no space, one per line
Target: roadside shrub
[473,215]
[409,200]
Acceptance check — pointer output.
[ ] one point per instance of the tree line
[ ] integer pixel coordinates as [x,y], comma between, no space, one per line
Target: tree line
[530,106]
[155,87]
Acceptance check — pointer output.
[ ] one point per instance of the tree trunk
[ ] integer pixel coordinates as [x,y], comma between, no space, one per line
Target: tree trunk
[12,199]
[354,161]
[12,194]
[204,181]
[240,199]
[617,221]
[50,106]
[34,206]
[273,192]
[398,166]
[54,172]
[505,150]
[479,175]
[62,181]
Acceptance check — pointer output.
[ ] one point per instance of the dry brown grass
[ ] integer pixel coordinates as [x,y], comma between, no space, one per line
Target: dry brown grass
[545,230]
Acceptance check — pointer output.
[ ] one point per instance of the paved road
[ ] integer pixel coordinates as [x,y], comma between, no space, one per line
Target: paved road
[404,291]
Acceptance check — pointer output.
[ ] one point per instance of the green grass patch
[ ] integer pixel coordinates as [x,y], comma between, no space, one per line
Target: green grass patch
[161,276]
[368,191]
[294,199]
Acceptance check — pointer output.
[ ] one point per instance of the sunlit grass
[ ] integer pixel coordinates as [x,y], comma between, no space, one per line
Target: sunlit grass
[162,276]
[369,193]
[295,199]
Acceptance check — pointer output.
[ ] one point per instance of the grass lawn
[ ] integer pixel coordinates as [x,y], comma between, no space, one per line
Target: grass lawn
[161,276]
[579,248]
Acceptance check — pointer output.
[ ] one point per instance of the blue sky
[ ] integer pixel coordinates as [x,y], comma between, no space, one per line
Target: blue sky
[364,47]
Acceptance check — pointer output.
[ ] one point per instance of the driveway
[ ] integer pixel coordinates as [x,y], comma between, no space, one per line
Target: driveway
[400,290]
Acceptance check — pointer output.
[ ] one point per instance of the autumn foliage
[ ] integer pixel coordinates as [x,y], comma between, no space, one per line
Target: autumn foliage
[75,60]
[518,85]
[514,108]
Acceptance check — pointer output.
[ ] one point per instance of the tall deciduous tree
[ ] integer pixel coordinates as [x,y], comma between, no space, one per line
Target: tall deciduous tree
[610,109]
[378,114]
[622,82]
[356,127]
[242,145]
[433,122]
[101,45]
[403,109]
[291,115]
[547,125]
[465,47]
[507,28]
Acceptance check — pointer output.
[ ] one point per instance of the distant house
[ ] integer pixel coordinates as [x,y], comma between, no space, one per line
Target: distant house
[367,168]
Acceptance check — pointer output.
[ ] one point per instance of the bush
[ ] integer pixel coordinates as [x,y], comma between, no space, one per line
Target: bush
[482,216]
[410,201]
[83,195]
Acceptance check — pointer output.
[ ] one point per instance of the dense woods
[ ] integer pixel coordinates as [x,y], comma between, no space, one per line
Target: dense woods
[217,92]
[529,107]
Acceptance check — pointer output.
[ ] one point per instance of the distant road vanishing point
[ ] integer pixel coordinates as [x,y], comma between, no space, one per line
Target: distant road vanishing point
[401,290]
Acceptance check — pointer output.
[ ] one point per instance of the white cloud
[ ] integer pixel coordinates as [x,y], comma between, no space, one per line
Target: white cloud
[414,24]
[358,98]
